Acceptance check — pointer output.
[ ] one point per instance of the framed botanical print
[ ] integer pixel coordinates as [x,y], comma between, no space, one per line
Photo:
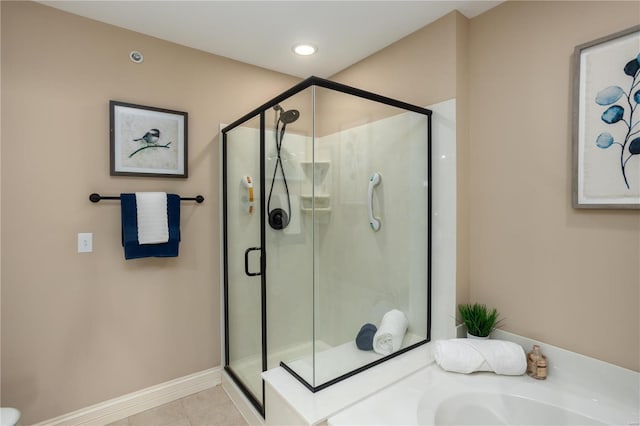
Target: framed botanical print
[606,140]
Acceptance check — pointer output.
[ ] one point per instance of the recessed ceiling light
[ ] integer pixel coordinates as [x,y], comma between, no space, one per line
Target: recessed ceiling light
[136,56]
[304,49]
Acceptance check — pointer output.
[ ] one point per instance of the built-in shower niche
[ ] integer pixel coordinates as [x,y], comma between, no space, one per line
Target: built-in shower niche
[301,294]
[316,191]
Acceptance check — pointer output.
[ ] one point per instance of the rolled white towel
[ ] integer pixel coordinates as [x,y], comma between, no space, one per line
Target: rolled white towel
[388,338]
[469,355]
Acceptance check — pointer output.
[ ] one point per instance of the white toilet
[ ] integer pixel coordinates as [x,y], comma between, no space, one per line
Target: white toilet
[9,416]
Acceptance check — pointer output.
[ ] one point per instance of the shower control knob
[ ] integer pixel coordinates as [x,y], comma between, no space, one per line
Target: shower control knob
[278,219]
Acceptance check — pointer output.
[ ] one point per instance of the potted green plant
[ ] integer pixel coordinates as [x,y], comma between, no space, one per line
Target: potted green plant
[479,319]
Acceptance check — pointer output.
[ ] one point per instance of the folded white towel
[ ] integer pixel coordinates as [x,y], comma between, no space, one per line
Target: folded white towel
[469,355]
[388,338]
[153,225]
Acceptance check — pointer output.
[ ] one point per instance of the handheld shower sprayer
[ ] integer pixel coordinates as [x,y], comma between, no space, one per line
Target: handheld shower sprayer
[290,116]
[286,117]
[278,217]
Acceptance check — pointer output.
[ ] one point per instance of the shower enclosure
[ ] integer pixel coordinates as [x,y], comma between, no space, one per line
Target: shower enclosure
[326,227]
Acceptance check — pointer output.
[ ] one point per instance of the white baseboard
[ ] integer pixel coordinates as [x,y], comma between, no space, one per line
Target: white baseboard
[136,402]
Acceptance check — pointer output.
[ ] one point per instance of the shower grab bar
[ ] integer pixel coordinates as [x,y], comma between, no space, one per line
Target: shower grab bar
[374,181]
[247,182]
[246,262]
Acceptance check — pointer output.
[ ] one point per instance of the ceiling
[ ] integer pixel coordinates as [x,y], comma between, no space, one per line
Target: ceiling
[262,33]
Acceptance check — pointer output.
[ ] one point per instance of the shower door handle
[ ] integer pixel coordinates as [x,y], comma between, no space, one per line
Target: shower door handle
[246,262]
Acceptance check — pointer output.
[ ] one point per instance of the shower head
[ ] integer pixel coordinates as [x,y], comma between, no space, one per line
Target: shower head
[288,117]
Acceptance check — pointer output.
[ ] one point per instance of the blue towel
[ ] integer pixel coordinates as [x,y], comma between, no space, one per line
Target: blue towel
[364,339]
[134,250]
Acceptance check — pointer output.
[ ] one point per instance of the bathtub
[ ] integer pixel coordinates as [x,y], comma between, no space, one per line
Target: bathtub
[432,396]
[411,389]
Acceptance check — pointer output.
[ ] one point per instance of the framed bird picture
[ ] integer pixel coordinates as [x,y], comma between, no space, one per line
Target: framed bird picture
[147,141]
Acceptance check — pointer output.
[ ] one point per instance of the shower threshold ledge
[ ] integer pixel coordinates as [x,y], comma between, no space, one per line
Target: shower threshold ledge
[287,401]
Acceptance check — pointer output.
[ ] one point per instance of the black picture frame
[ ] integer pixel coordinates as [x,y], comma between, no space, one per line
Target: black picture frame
[147,141]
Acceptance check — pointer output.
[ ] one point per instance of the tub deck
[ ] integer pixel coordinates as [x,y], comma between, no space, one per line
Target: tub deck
[412,390]
[433,396]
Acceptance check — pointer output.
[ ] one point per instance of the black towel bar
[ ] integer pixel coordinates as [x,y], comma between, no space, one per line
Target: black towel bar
[97,197]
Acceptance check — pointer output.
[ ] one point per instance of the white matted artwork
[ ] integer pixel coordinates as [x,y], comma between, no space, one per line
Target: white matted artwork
[147,141]
[606,143]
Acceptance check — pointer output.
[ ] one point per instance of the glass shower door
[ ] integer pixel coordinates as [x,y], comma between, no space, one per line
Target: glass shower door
[244,281]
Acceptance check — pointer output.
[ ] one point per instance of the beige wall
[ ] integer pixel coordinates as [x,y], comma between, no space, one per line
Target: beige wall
[419,69]
[424,68]
[567,277]
[82,328]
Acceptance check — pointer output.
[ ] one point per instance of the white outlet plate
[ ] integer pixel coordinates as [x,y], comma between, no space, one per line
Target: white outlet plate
[85,242]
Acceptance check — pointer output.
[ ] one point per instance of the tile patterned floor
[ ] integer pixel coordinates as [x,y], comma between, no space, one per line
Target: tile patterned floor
[211,407]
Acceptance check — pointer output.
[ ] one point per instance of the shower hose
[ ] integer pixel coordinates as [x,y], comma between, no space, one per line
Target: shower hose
[279,135]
